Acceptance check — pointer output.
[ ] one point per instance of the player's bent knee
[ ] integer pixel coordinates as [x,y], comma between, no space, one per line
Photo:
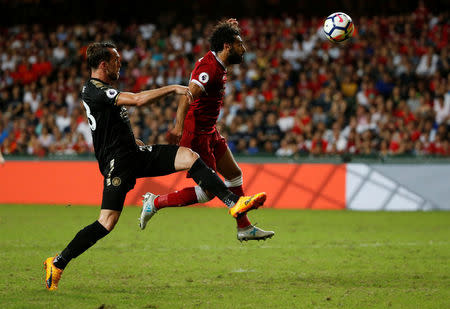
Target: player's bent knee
[112,224]
[195,156]
[109,220]
[185,158]
[109,224]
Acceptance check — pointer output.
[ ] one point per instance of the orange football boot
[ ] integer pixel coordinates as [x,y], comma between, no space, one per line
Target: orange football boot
[247,203]
[52,274]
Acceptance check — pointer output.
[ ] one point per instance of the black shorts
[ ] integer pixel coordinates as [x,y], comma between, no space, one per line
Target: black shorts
[120,177]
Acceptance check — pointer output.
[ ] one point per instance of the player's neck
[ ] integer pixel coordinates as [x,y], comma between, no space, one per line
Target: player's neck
[222,55]
[98,74]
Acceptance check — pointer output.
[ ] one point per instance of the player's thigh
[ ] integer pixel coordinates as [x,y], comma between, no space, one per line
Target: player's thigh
[156,160]
[114,196]
[118,181]
[227,165]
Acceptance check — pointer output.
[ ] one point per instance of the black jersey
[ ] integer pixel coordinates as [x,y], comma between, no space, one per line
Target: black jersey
[110,126]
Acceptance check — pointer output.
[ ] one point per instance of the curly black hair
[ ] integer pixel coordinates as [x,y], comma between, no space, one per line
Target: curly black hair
[223,33]
[98,52]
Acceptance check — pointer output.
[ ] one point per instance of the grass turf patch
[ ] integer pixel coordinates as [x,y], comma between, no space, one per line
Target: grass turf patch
[189,257]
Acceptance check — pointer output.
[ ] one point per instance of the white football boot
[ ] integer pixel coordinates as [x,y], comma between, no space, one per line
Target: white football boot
[148,209]
[253,233]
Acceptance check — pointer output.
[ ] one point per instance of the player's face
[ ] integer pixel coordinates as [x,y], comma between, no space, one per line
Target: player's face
[237,51]
[113,67]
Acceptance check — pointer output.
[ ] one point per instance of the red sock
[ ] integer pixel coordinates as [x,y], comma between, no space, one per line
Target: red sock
[242,221]
[183,197]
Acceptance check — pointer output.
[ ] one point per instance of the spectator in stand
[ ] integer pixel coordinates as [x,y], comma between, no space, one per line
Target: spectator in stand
[428,63]
[441,109]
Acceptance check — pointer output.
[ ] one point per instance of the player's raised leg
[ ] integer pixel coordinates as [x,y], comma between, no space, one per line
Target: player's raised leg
[208,180]
[229,169]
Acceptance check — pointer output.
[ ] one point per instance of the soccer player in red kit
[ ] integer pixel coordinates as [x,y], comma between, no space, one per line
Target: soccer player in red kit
[196,128]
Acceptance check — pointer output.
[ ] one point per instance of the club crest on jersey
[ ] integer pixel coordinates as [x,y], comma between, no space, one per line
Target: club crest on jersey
[116,181]
[111,93]
[203,77]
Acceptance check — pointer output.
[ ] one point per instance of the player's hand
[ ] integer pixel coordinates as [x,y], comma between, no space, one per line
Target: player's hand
[174,136]
[233,21]
[183,90]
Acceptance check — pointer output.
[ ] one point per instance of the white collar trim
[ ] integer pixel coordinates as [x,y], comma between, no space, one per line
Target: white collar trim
[220,61]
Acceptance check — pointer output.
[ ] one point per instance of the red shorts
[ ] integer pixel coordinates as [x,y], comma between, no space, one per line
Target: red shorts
[210,147]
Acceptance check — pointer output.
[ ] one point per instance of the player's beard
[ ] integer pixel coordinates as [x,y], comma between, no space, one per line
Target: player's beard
[234,57]
[113,75]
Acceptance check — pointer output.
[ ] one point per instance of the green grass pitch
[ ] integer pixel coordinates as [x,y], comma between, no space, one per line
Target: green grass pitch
[190,258]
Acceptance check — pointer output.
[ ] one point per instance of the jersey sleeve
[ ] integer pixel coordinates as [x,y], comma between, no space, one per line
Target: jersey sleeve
[109,95]
[203,75]
[98,95]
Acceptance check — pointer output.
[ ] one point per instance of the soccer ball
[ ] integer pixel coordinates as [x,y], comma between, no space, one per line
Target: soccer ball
[338,27]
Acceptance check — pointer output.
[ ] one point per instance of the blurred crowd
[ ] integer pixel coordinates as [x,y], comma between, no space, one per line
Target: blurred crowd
[386,92]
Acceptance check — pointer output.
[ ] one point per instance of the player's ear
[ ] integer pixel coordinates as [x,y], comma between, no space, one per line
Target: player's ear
[102,65]
[226,46]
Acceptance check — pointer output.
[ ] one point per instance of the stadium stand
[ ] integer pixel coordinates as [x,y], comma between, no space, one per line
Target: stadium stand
[386,93]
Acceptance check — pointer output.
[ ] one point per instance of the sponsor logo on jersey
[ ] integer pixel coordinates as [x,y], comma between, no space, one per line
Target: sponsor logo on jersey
[203,77]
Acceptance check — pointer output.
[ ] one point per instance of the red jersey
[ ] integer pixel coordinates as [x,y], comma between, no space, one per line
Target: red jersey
[209,74]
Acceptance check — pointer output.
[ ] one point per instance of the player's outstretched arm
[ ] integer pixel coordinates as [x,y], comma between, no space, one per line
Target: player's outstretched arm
[174,135]
[149,96]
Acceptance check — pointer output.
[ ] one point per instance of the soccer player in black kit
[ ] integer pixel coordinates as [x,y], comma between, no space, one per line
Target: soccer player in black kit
[121,160]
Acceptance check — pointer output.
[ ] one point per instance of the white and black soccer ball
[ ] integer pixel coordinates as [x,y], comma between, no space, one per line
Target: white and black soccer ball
[338,27]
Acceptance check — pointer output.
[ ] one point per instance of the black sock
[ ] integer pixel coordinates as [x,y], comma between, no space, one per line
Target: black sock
[208,180]
[84,239]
